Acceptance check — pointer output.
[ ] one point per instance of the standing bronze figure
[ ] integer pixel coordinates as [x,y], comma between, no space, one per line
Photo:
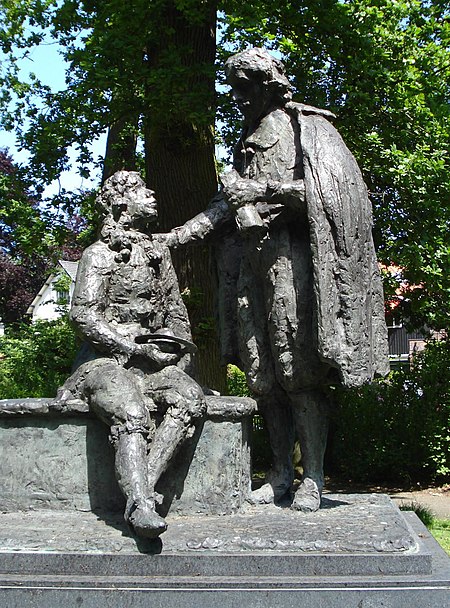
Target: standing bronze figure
[300,295]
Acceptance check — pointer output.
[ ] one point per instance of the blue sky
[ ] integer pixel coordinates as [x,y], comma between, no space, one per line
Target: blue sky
[49,67]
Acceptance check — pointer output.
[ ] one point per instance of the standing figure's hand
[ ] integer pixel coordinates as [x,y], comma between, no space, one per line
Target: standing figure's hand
[239,191]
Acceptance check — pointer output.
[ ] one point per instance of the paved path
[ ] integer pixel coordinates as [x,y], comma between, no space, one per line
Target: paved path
[435,499]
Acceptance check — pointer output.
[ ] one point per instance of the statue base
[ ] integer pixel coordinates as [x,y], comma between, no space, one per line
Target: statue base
[63,540]
[358,551]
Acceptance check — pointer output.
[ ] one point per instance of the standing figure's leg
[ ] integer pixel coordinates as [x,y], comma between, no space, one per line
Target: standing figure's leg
[311,412]
[184,403]
[116,398]
[276,411]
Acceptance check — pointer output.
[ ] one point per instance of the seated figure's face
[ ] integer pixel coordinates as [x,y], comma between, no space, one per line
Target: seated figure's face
[252,97]
[138,207]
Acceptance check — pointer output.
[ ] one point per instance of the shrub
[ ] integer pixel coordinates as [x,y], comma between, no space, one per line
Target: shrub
[397,429]
[236,382]
[36,359]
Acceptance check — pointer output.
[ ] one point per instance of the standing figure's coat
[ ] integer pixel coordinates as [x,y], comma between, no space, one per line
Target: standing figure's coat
[348,291]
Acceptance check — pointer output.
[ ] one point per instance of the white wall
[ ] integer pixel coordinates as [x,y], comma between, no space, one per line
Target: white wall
[47,308]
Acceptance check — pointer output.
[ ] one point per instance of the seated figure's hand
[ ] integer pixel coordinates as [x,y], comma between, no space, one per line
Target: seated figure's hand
[153,353]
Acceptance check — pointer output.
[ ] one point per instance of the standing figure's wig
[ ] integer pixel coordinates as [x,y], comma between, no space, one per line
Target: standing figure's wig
[258,64]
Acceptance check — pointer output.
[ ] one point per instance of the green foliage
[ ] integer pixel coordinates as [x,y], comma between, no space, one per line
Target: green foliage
[23,229]
[397,429]
[36,359]
[62,283]
[383,67]
[32,238]
[236,382]
[108,48]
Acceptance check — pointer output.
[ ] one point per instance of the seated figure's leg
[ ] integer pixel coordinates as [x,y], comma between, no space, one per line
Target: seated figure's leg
[276,411]
[184,403]
[311,413]
[115,396]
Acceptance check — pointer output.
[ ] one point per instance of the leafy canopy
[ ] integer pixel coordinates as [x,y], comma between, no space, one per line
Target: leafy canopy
[383,66]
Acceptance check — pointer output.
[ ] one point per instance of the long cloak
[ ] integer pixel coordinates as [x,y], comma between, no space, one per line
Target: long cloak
[349,306]
[351,326]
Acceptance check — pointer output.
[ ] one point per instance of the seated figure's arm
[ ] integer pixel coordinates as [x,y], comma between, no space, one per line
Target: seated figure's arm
[201,226]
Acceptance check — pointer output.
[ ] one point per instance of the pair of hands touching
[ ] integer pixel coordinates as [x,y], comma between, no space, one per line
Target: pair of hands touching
[253,201]
[240,191]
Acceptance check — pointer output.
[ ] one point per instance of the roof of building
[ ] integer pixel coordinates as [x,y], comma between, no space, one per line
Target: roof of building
[70,267]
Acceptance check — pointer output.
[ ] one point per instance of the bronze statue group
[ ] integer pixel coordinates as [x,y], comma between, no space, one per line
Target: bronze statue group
[300,292]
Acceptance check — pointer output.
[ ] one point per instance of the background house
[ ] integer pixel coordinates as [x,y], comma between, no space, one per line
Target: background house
[56,293]
[404,344]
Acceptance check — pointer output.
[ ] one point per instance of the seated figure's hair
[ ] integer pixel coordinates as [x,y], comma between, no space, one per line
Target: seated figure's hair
[269,71]
[117,187]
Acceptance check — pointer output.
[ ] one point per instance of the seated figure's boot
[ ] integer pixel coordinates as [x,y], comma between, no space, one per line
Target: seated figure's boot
[278,485]
[144,520]
[307,497]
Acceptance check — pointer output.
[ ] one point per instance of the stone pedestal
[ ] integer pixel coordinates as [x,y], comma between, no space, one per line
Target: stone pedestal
[63,461]
[63,541]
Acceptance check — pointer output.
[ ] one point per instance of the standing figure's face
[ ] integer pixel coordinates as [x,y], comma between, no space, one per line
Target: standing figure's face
[252,97]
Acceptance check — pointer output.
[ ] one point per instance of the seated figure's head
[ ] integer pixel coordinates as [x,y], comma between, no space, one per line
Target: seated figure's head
[126,200]
[258,82]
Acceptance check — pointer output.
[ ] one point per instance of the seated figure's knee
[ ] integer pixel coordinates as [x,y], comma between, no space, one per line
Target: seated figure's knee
[180,392]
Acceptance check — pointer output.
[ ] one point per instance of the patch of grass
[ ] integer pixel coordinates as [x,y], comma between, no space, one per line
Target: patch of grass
[440,529]
[423,513]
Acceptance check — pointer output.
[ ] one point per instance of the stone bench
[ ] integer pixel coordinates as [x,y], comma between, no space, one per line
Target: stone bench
[54,457]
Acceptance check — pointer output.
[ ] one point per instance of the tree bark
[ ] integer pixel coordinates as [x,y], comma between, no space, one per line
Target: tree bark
[180,165]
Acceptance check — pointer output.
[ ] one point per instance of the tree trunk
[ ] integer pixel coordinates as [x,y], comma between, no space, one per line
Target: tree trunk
[120,148]
[180,165]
